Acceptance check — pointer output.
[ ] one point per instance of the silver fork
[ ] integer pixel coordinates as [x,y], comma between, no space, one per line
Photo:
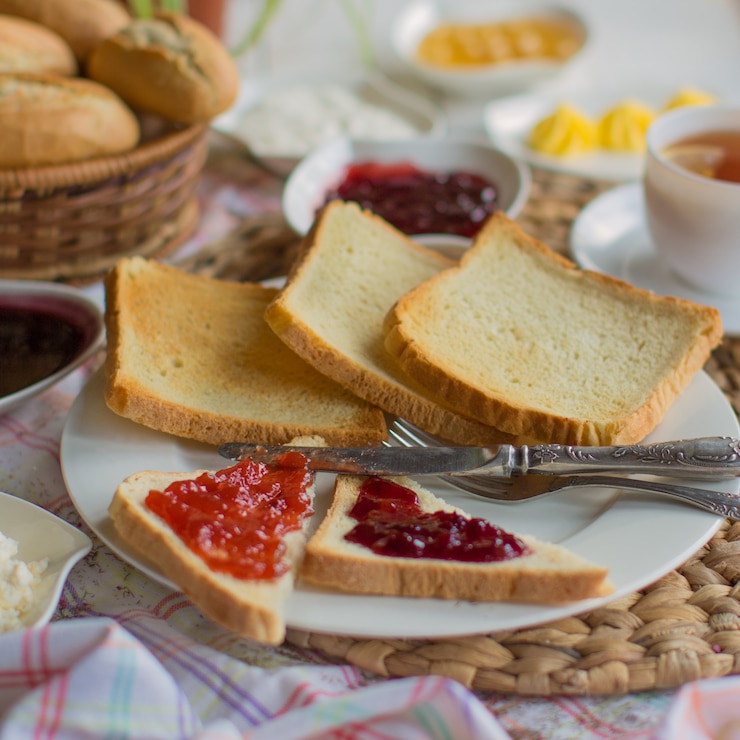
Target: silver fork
[523,487]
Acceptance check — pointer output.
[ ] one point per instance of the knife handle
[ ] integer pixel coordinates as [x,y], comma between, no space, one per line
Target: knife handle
[703,457]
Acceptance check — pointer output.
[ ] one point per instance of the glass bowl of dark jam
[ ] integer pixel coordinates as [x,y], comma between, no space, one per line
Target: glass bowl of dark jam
[437,191]
[47,330]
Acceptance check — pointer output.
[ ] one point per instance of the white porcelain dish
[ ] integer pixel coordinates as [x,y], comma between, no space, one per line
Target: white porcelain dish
[610,235]
[508,122]
[40,534]
[421,115]
[325,168]
[63,302]
[487,81]
[613,528]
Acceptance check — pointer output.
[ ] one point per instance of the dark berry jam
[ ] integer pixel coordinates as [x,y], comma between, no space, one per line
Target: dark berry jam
[236,519]
[419,202]
[391,522]
[35,342]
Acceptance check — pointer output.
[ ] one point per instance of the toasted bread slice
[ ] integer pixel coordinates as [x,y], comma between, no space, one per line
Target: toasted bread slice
[518,337]
[548,574]
[193,357]
[251,608]
[353,267]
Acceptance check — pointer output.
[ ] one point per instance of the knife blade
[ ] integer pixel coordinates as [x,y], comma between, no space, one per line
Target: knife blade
[701,457]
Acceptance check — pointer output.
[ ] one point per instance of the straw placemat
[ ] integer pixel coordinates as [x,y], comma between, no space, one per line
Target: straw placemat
[684,627]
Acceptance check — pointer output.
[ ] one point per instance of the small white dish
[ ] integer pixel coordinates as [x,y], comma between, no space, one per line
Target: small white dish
[61,302]
[610,236]
[41,534]
[325,168]
[419,18]
[313,129]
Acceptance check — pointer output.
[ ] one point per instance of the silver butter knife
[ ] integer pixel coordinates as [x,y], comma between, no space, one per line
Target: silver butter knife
[703,457]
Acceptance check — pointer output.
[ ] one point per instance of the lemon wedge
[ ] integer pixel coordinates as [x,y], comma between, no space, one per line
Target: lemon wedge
[566,132]
[622,128]
[690,96]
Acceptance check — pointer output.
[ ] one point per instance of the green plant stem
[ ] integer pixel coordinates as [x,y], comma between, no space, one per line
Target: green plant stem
[269,8]
[146,8]
[141,8]
[361,28]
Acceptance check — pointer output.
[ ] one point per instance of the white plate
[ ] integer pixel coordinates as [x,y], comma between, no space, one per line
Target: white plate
[40,534]
[639,537]
[64,302]
[508,122]
[610,236]
[373,89]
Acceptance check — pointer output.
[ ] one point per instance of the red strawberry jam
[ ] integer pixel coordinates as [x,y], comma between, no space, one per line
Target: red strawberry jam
[391,522]
[236,519]
[420,202]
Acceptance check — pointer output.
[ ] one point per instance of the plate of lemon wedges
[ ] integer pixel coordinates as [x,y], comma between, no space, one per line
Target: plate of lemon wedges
[598,134]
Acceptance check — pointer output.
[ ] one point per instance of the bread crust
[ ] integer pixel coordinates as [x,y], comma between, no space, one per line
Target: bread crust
[83,24]
[193,357]
[48,119]
[170,65]
[252,609]
[459,380]
[548,575]
[26,46]
[368,370]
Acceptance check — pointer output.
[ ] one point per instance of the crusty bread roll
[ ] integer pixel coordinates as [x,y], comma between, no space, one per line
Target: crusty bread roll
[518,337]
[82,23]
[26,46]
[47,119]
[170,65]
[545,574]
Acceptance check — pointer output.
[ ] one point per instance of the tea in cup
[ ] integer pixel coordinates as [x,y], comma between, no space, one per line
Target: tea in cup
[692,195]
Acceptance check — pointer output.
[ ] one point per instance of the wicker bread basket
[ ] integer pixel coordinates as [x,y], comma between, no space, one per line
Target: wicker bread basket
[73,222]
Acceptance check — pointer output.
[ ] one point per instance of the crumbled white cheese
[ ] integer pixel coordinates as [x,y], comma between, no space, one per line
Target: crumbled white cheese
[292,121]
[18,584]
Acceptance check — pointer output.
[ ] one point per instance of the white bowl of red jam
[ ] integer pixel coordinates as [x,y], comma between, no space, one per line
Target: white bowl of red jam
[484,49]
[438,191]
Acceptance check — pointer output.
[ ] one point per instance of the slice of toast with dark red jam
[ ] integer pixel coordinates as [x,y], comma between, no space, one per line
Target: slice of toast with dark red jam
[394,537]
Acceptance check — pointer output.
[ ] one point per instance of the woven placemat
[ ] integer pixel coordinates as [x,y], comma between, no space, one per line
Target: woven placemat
[684,627]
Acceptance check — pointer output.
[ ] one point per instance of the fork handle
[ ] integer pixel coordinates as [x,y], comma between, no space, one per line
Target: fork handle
[703,457]
[718,502]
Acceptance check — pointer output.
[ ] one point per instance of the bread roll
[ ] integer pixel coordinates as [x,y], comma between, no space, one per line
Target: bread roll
[170,65]
[26,46]
[46,120]
[82,23]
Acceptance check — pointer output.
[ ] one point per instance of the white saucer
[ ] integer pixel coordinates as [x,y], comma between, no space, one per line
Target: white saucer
[610,236]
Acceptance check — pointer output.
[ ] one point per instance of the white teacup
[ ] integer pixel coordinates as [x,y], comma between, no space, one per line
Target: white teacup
[693,220]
